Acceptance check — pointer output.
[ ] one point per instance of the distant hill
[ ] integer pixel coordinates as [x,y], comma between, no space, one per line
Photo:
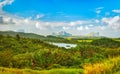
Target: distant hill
[22,34]
[62,34]
[49,38]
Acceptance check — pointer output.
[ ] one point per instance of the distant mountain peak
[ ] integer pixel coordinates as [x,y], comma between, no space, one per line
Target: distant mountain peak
[96,34]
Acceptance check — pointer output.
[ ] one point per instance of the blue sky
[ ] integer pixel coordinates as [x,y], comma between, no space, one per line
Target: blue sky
[78,17]
[56,10]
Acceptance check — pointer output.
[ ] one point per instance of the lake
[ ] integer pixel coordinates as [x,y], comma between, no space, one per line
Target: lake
[65,45]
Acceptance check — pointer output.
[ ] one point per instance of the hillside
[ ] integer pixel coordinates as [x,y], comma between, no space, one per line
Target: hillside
[34,36]
[26,35]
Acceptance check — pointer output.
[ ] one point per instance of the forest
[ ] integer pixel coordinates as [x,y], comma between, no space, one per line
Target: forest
[22,55]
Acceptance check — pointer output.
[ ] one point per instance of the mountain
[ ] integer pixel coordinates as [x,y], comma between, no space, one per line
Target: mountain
[93,34]
[62,34]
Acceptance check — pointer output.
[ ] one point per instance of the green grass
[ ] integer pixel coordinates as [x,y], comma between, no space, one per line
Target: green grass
[118,40]
[29,71]
[117,72]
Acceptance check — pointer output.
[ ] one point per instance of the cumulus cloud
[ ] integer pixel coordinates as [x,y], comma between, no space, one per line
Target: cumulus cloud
[28,23]
[79,22]
[76,23]
[116,11]
[113,22]
[5,2]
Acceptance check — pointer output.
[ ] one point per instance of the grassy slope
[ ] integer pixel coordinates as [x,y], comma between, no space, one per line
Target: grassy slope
[109,66]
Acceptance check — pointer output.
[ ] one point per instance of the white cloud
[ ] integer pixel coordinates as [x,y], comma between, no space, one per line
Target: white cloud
[113,22]
[80,28]
[116,11]
[45,28]
[5,2]
[79,22]
[86,27]
[39,26]
[26,21]
[65,28]
[38,16]
[91,25]
[102,27]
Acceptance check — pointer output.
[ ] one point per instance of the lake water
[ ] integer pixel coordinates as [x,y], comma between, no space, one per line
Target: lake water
[65,45]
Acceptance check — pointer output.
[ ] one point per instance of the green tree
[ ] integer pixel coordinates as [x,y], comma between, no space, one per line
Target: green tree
[18,37]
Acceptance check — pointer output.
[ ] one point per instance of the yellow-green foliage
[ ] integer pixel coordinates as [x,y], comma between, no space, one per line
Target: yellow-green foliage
[110,66]
[117,40]
[85,40]
[28,71]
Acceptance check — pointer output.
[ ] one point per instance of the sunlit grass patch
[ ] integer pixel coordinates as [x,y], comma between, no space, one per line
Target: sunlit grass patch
[29,71]
[110,66]
[85,40]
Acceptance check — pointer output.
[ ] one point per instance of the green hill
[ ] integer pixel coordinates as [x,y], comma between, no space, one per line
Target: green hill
[34,36]
[26,35]
[106,42]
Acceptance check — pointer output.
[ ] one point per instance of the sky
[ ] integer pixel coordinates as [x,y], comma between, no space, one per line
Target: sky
[78,17]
